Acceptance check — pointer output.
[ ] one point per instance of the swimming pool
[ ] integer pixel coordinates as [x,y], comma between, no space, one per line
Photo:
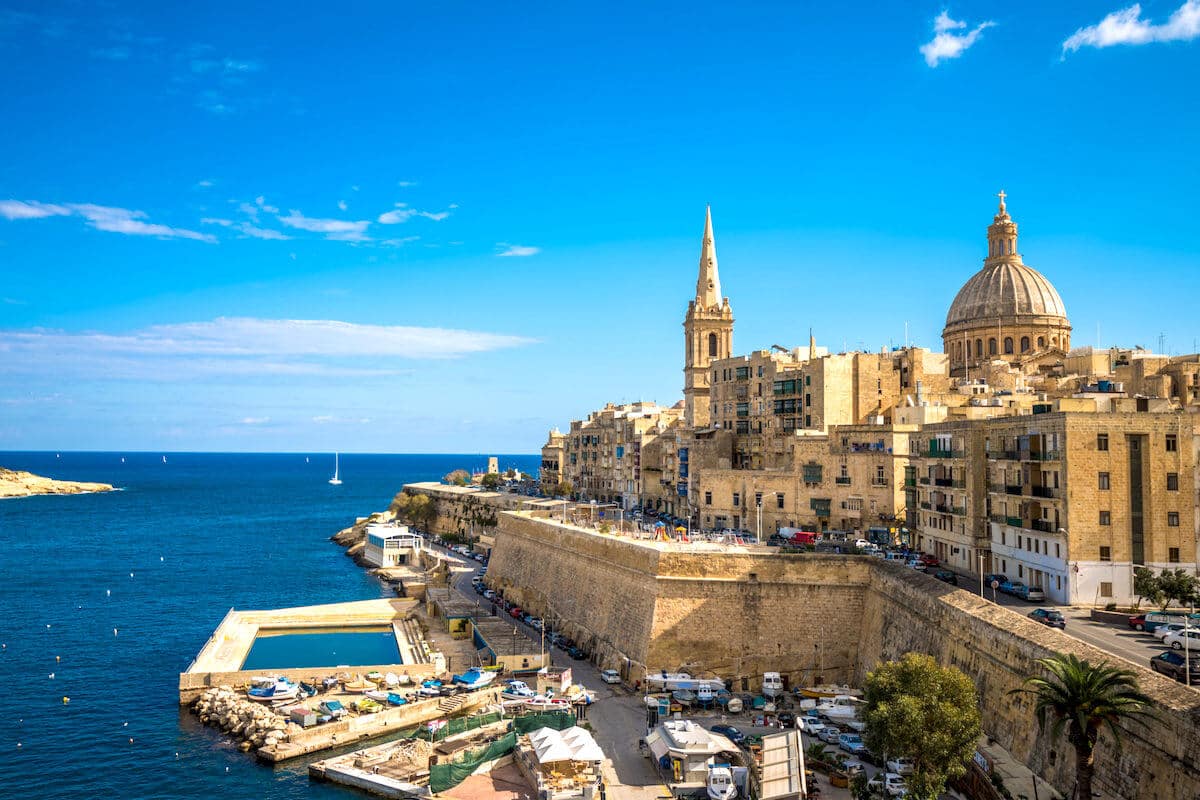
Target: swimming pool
[322,647]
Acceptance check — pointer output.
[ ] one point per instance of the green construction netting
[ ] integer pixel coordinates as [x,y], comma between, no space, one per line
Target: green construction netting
[532,722]
[447,776]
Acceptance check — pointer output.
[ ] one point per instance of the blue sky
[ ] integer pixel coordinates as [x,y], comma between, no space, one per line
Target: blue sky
[398,228]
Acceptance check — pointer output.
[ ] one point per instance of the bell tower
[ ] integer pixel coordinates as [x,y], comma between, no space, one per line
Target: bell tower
[707,332]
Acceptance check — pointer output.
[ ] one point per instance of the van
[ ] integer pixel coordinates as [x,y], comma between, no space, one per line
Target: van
[772,684]
[1156,618]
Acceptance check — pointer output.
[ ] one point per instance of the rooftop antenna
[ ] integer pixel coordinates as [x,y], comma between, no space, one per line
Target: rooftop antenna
[1162,343]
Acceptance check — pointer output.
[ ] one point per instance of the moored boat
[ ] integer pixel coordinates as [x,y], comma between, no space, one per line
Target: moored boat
[517,690]
[720,785]
[358,685]
[272,690]
[378,695]
[684,697]
[827,690]
[475,678]
[541,702]
[395,699]
[307,689]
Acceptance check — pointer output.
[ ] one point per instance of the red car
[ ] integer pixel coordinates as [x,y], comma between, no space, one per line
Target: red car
[929,560]
[1138,622]
[515,612]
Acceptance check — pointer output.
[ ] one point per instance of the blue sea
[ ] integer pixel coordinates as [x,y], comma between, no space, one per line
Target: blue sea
[114,594]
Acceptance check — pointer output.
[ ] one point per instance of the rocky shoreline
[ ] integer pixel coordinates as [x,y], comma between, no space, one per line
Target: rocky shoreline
[252,723]
[25,484]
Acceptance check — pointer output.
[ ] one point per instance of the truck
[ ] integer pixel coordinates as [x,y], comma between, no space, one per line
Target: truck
[798,536]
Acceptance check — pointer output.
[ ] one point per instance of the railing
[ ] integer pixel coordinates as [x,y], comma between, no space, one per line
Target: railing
[959,483]
[843,480]
[1044,491]
[999,519]
[1010,488]
[923,480]
[1007,455]
[943,482]
[910,482]
[879,481]
[1015,522]
[1045,455]
[926,505]
[1043,525]
[998,488]
[937,452]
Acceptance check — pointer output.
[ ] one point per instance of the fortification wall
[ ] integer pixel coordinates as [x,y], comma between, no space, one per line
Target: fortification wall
[461,511]
[822,618]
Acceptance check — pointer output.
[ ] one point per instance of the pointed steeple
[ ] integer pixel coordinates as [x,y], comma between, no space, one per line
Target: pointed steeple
[812,346]
[708,284]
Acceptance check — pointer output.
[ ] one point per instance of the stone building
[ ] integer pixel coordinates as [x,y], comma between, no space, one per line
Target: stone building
[707,332]
[602,454]
[551,473]
[1007,311]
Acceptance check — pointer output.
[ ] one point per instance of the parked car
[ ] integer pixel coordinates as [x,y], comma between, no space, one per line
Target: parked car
[490,594]
[946,576]
[861,544]
[1138,622]
[829,734]
[787,719]
[1171,664]
[577,654]
[515,612]
[1176,640]
[610,676]
[916,563]
[930,560]
[994,577]
[1048,616]
[889,783]
[810,725]
[901,765]
[1012,587]
[850,766]
[852,743]
[1031,594]
[1161,631]
[729,732]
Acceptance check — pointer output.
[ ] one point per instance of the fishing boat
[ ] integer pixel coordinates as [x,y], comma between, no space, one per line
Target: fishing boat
[705,696]
[333,708]
[474,678]
[720,785]
[391,680]
[431,683]
[395,699]
[367,706]
[307,689]
[330,683]
[335,480]
[546,702]
[377,695]
[841,708]
[734,706]
[270,690]
[684,697]
[517,690]
[827,690]
[358,685]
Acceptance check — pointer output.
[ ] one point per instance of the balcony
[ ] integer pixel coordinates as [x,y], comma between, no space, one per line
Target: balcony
[879,481]
[1046,491]
[923,480]
[1014,489]
[926,505]
[1006,455]
[842,480]
[1015,522]
[1043,525]
[1045,455]
[909,482]
[938,452]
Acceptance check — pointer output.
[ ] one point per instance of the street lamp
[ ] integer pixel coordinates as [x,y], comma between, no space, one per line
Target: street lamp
[758,502]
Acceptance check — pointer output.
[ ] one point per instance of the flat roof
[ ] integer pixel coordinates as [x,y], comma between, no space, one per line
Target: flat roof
[499,634]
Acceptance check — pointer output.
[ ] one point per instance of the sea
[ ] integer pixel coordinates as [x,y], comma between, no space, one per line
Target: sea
[106,598]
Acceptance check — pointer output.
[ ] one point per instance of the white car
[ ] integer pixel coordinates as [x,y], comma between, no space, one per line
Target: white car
[810,725]
[610,676]
[890,783]
[1176,640]
[862,544]
[901,766]
[1163,631]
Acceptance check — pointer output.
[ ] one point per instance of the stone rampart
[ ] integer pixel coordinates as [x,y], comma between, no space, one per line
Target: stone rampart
[642,606]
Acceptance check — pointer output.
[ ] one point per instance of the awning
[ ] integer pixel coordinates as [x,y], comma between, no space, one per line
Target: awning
[573,744]
[657,746]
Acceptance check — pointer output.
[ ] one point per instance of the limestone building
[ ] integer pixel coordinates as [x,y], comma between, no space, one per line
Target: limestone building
[551,474]
[707,332]
[1007,311]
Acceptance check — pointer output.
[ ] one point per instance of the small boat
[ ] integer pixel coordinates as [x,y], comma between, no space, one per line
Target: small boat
[429,691]
[759,703]
[377,695]
[578,694]
[705,696]
[404,679]
[272,690]
[307,689]
[335,480]
[827,690]
[330,683]
[333,708]
[395,699]
[840,708]
[720,785]
[358,685]
[368,706]
[391,680]
[734,706]
[517,690]
[683,697]
[545,702]
[375,676]
[431,683]
[474,678]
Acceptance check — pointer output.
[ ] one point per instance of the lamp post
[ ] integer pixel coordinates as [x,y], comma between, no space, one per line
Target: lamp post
[758,503]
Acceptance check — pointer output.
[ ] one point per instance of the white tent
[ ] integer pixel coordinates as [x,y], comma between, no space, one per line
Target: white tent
[583,746]
[573,744]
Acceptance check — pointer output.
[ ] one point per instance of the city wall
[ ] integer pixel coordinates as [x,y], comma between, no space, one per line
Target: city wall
[641,606]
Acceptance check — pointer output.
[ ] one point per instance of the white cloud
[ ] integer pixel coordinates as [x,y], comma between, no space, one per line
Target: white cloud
[262,233]
[330,419]
[204,184]
[102,218]
[405,184]
[16,209]
[261,202]
[1127,27]
[342,205]
[946,43]
[224,223]
[402,213]
[255,420]
[517,250]
[336,229]
[239,347]
[399,242]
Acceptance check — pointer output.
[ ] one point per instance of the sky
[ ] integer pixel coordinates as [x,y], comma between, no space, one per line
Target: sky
[390,227]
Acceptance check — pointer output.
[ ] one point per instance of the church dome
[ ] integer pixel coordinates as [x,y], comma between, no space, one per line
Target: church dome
[1003,291]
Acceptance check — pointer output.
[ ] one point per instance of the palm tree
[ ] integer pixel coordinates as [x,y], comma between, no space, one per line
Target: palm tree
[1084,697]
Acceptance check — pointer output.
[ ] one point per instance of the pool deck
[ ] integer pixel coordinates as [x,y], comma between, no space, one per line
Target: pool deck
[220,660]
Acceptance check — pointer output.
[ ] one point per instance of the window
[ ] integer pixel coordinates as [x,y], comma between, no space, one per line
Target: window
[1020,571]
[1101,441]
[1106,518]
[1105,553]
[1106,589]
[1104,483]
[708,498]
[808,380]
[1057,550]
[1008,345]
[712,345]
[1041,342]
[1173,555]
[1024,344]
[1172,443]
[1173,519]
[1172,481]
[979,348]
[758,498]
[779,500]
[991,347]
[737,499]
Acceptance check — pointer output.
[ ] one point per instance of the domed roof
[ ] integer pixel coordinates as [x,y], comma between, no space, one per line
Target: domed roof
[1006,289]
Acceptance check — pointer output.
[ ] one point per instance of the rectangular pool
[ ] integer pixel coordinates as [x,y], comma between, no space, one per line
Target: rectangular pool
[322,647]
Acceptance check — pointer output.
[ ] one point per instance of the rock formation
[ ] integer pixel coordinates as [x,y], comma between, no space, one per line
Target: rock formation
[24,484]
[253,723]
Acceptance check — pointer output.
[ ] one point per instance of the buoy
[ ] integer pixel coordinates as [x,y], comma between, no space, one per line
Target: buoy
[131,574]
[108,592]
[125,725]
[51,676]
[114,631]
[58,658]
[160,558]
[131,740]
[18,744]
[47,624]
[66,700]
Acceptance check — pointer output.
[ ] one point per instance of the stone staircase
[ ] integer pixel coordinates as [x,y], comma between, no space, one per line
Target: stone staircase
[448,705]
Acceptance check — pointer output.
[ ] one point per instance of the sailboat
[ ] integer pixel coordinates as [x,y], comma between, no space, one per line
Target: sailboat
[335,480]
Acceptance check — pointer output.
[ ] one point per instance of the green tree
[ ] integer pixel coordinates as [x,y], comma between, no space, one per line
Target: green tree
[1146,586]
[1177,585]
[458,477]
[399,505]
[816,753]
[491,480]
[917,708]
[563,489]
[1083,698]
[858,787]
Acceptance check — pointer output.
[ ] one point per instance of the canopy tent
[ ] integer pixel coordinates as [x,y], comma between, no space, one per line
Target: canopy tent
[573,744]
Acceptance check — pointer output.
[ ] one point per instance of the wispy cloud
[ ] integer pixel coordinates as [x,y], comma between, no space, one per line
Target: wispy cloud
[1127,27]
[946,43]
[336,229]
[255,420]
[205,184]
[400,242]
[247,229]
[330,419]
[102,218]
[406,184]
[342,205]
[402,213]
[516,250]
[223,66]
[240,346]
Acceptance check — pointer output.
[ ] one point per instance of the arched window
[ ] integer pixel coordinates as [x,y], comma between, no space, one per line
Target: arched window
[1024,344]
[1008,345]
[979,348]
[991,347]
[1054,341]
[712,345]
[1041,342]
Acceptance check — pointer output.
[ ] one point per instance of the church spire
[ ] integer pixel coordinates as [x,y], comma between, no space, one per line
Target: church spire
[708,283]
[1002,233]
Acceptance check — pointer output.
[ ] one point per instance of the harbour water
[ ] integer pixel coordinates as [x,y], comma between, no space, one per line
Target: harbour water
[106,598]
